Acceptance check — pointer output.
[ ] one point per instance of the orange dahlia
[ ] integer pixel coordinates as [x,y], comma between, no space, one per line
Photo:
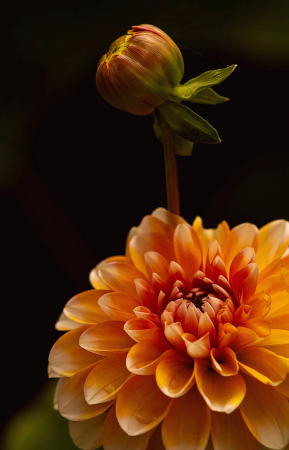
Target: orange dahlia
[183,344]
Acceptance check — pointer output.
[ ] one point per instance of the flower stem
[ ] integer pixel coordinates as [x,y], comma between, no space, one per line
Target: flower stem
[173,202]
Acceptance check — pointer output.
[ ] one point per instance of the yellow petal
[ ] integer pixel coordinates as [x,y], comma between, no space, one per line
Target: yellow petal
[175,375]
[229,432]
[279,312]
[224,361]
[274,283]
[266,414]
[67,357]
[64,323]
[274,239]
[199,348]
[94,277]
[263,365]
[106,338]
[106,379]
[188,249]
[153,224]
[277,342]
[84,308]
[167,217]
[174,333]
[145,409]
[223,394]
[87,435]
[240,237]
[156,263]
[120,276]
[71,401]
[114,438]
[143,357]
[118,306]
[187,425]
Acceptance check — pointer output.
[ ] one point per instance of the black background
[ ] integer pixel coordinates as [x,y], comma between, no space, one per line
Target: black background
[76,173]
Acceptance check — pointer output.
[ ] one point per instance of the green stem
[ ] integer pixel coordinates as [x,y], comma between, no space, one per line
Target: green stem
[170,167]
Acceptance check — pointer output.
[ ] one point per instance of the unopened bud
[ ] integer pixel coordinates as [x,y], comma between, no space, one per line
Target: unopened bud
[140,70]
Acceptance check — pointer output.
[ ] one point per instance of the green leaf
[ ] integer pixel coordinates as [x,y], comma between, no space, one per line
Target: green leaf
[182,146]
[188,124]
[208,96]
[205,80]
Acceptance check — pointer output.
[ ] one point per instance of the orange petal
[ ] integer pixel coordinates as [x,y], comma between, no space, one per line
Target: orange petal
[106,379]
[106,338]
[274,240]
[279,311]
[87,434]
[240,237]
[283,388]
[188,249]
[114,438]
[144,313]
[260,305]
[244,282]
[266,414]
[120,276]
[60,385]
[67,357]
[151,224]
[206,326]
[65,324]
[146,296]
[174,333]
[262,327]
[173,220]
[241,260]
[200,348]
[94,277]
[175,375]
[71,401]
[84,308]
[223,394]
[147,242]
[274,283]
[244,337]
[156,441]
[143,357]
[145,409]
[188,423]
[142,329]
[229,432]
[277,342]
[224,361]
[263,365]
[156,263]
[118,306]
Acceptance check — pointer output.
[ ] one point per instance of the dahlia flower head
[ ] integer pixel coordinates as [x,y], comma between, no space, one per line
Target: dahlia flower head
[183,343]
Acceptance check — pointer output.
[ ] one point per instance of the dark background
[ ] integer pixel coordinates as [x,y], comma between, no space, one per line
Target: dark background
[76,173]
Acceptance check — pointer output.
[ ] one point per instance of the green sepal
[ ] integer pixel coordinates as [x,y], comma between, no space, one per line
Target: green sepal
[208,96]
[188,124]
[182,146]
[205,80]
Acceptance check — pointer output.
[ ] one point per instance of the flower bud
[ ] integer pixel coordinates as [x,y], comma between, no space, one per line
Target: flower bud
[140,70]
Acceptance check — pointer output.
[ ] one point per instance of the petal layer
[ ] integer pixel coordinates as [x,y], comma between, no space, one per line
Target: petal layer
[87,434]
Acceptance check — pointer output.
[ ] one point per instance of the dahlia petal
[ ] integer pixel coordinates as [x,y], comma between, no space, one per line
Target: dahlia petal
[64,323]
[67,357]
[146,296]
[118,306]
[244,282]
[151,224]
[87,435]
[205,326]
[262,327]
[174,333]
[274,240]
[156,263]
[187,425]
[94,277]
[156,242]
[52,374]
[60,385]
[224,361]
[230,432]
[260,305]
[143,357]
[71,401]
[188,249]
[144,313]
[156,441]
[244,338]
[274,283]
[173,220]
[277,342]
[106,338]
[241,260]
[279,312]
[198,348]
[207,235]
[263,365]
[283,387]
[266,414]
[219,269]
[106,379]
[84,308]
[120,276]
[145,409]
[191,320]
[277,266]
[240,237]
[175,375]
[142,329]
[222,394]
[227,334]
[214,250]
[132,232]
